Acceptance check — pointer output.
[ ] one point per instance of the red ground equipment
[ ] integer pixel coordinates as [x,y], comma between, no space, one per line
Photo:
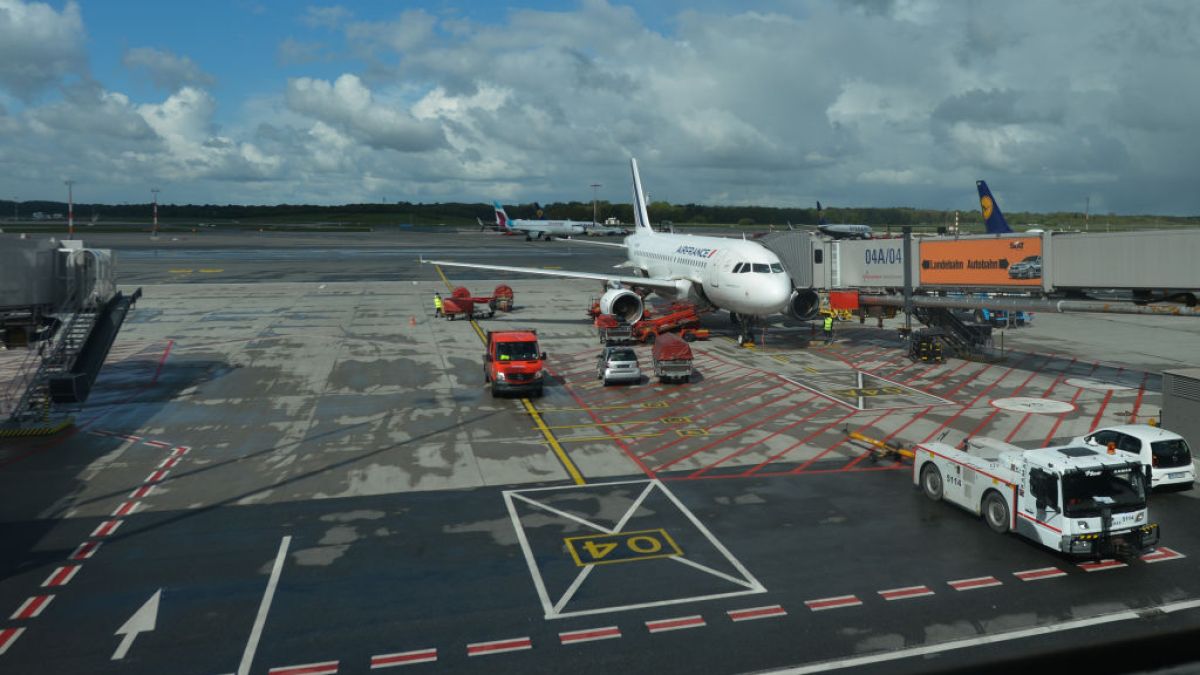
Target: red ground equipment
[681,318]
[672,358]
[612,329]
[460,304]
[503,298]
[514,363]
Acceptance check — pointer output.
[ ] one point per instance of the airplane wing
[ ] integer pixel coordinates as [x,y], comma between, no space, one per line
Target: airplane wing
[639,282]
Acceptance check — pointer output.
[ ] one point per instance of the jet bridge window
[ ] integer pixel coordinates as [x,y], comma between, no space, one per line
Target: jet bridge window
[762,268]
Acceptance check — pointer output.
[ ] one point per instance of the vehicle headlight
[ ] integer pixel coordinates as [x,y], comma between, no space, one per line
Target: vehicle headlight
[500,377]
[537,375]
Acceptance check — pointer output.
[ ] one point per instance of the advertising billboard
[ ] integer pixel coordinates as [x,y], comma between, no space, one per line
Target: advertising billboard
[1004,261]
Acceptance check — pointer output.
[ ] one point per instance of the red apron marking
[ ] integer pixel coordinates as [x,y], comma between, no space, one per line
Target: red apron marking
[403,658]
[1040,573]
[1163,554]
[180,451]
[499,646]
[99,432]
[833,603]
[141,492]
[589,635]
[906,593]
[125,509]
[168,463]
[157,444]
[162,360]
[663,625]
[86,550]
[8,636]
[972,584]
[61,576]
[157,476]
[1101,565]
[127,437]
[106,528]
[32,608]
[756,613]
[324,668]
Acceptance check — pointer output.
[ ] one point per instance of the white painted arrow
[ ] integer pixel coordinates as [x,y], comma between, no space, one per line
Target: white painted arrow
[142,620]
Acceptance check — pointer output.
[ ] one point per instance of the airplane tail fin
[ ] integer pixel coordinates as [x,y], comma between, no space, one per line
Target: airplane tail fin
[641,217]
[501,217]
[993,219]
[821,215]
[539,211]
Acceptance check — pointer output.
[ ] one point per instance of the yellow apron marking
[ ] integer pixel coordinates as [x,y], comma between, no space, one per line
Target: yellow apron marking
[589,439]
[619,547]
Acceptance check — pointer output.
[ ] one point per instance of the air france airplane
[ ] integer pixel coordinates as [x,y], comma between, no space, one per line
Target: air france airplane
[742,277]
[537,229]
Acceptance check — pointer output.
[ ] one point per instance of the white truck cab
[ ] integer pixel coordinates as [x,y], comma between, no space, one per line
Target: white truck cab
[1075,499]
[1164,452]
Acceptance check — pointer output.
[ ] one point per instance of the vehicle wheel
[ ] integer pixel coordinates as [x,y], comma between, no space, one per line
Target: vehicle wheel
[931,482]
[539,392]
[995,512]
[734,318]
[689,337]
[495,394]
[528,238]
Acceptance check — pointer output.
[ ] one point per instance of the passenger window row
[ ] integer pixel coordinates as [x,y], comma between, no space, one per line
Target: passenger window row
[761,268]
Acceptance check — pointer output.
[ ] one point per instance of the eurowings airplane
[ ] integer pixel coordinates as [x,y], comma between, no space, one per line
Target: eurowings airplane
[537,229]
[993,220]
[740,276]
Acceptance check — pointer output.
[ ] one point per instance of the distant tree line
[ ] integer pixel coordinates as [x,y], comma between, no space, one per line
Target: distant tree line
[456,213]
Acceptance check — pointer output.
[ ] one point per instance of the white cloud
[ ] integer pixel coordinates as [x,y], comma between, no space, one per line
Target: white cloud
[39,45]
[166,70]
[325,17]
[349,105]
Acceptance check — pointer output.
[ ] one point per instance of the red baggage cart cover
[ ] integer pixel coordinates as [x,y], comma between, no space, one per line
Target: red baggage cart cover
[670,347]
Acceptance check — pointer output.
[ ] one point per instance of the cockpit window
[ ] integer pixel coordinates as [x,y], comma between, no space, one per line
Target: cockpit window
[762,268]
[737,268]
[776,268]
[742,267]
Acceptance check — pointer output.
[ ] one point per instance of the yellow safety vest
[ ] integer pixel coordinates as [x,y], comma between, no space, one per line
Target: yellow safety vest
[437,302]
[829,323]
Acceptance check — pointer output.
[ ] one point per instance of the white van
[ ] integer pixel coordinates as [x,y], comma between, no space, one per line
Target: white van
[1165,452]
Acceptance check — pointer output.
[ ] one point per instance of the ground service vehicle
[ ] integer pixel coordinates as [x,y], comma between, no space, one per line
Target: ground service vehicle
[1075,499]
[1164,453]
[618,364]
[513,363]
[672,358]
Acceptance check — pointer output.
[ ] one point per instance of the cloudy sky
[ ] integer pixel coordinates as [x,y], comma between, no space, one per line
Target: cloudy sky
[867,103]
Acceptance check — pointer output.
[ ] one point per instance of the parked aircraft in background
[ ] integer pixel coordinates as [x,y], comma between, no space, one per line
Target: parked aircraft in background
[993,219]
[538,229]
[740,276]
[842,230]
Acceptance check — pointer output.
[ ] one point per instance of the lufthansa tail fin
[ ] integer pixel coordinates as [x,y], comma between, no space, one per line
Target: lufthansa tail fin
[501,217]
[993,219]
[641,218]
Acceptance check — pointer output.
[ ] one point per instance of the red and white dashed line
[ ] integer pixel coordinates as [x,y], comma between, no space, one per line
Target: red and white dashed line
[1162,555]
[157,444]
[679,623]
[157,476]
[499,646]
[85,550]
[974,583]
[8,636]
[141,492]
[753,613]
[61,576]
[180,451]
[125,509]
[99,432]
[1101,565]
[1040,573]
[589,635]
[168,463]
[403,658]
[127,437]
[836,602]
[906,593]
[32,608]
[323,668]
[106,528]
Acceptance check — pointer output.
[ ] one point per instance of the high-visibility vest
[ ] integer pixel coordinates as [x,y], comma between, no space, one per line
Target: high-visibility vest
[437,301]
[829,323]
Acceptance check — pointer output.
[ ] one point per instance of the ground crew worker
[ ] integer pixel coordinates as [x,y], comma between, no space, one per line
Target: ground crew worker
[437,305]
[828,327]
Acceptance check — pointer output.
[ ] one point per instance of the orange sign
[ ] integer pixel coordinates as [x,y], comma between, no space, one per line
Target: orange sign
[1009,261]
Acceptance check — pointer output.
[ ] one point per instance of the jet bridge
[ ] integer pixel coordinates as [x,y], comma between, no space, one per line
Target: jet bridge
[59,303]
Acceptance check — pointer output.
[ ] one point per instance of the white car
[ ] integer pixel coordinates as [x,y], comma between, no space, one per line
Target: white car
[618,364]
[1165,452]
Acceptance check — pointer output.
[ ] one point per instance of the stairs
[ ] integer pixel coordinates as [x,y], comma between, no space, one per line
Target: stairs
[965,340]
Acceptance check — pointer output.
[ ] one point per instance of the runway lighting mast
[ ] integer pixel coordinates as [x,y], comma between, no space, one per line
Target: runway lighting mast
[154,232]
[595,186]
[70,209]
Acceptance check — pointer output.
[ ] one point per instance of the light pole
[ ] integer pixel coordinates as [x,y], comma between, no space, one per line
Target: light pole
[154,231]
[16,216]
[70,209]
[595,186]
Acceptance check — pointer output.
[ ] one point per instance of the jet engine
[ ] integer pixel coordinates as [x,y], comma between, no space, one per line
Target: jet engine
[804,305]
[622,302]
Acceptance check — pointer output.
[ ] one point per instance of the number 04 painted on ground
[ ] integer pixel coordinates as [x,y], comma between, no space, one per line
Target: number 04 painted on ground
[603,549]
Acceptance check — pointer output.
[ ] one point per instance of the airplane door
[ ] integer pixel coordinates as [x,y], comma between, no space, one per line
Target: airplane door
[715,269]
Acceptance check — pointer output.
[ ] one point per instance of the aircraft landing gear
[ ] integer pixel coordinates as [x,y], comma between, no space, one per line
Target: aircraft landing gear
[528,238]
[746,327]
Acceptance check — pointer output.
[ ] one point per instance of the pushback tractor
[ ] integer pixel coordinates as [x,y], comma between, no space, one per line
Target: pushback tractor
[1078,500]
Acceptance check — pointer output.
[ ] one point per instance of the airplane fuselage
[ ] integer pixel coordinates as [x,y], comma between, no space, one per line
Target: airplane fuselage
[550,228]
[739,276]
